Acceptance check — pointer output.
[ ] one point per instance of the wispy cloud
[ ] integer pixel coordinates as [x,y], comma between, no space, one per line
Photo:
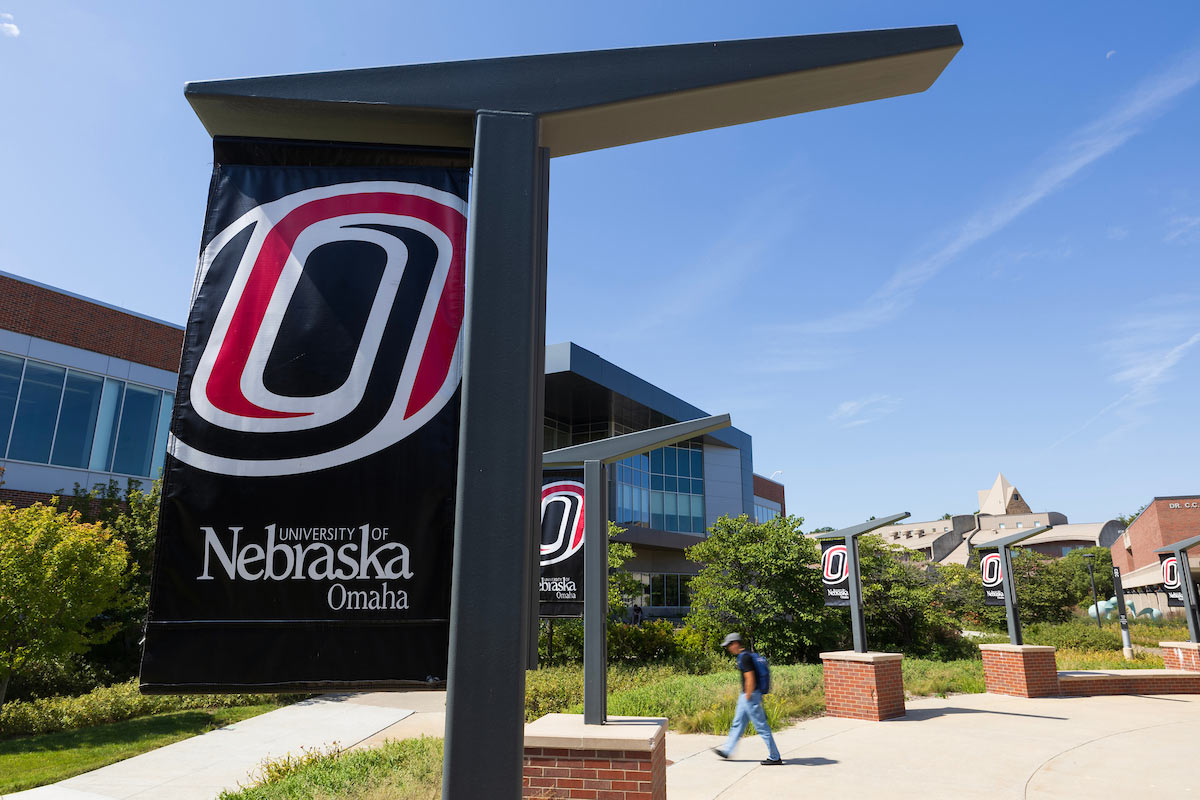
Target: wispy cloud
[1183,229]
[1086,146]
[8,27]
[1110,54]
[1117,233]
[1146,348]
[853,413]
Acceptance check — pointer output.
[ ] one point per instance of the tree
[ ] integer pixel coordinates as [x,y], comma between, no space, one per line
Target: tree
[1127,519]
[622,585]
[57,574]
[1074,566]
[759,579]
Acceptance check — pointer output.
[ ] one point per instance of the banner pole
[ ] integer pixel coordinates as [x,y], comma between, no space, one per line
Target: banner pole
[595,595]
[504,330]
[1010,598]
[1184,570]
[1122,614]
[857,626]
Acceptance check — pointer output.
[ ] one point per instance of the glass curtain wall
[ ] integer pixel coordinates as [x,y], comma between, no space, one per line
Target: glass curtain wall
[662,489]
[60,416]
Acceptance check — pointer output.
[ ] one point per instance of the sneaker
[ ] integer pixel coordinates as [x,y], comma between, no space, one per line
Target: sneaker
[720,752]
[771,762]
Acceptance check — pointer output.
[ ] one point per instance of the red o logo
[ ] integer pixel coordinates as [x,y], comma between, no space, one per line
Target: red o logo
[407,362]
[562,521]
[1170,573]
[993,570]
[835,565]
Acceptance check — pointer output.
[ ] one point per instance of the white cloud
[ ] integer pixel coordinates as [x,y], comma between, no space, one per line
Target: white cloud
[1145,349]
[8,27]
[1086,146]
[1110,54]
[1118,232]
[853,413]
[1184,229]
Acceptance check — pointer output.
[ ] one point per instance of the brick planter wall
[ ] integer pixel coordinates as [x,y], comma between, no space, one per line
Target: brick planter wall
[863,685]
[1128,681]
[1023,670]
[625,759]
[1181,655]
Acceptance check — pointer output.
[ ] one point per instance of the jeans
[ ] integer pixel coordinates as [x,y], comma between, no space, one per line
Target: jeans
[751,711]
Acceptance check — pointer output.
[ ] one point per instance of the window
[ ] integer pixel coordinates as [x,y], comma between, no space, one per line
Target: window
[764,513]
[1019,525]
[662,489]
[54,415]
[1002,525]
[664,590]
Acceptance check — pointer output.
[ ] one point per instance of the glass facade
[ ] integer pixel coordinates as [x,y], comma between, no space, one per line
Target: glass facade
[662,489]
[764,513]
[664,590]
[69,418]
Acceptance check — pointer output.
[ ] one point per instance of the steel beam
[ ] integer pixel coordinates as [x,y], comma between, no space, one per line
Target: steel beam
[595,593]
[504,331]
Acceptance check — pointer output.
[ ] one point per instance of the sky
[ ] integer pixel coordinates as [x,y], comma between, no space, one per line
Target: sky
[897,300]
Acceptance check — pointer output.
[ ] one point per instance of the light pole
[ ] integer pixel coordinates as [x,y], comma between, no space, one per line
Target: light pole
[1091,559]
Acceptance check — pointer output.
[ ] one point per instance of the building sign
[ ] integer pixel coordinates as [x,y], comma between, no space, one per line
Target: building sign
[561,590]
[835,573]
[1172,579]
[1189,504]
[991,568]
[306,531]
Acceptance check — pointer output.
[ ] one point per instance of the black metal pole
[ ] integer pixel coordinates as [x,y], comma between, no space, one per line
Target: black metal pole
[1184,570]
[537,408]
[1122,613]
[550,644]
[1095,599]
[504,330]
[595,594]
[1011,611]
[857,627]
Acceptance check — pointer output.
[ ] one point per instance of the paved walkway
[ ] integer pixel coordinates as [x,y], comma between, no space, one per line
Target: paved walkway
[966,746]
[199,768]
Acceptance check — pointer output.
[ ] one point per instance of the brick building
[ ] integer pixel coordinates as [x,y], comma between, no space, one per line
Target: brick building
[86,391]
[1164,521]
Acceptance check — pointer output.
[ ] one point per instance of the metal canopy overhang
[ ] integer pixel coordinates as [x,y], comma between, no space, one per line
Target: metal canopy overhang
[1008,541]
[1186,544]
[584,101]
[862,527]
[616,448]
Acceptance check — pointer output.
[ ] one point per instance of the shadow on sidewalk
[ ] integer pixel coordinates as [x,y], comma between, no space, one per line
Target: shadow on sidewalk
[919,714]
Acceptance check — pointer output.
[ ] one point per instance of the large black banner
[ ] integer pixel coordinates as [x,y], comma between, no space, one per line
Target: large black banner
[561,590]
[991,568]
[305,538]
[1172,579]
[835,572]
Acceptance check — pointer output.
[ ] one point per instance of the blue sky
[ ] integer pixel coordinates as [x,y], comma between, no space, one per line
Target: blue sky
[897,299]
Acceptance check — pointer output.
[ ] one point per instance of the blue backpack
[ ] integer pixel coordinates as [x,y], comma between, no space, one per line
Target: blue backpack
[762,673]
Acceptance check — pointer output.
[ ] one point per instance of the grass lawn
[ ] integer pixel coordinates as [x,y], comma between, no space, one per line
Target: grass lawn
[29,761]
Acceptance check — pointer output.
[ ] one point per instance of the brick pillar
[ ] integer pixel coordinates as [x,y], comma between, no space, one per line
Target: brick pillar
[1023,670]
[624,759]
[1181,655]
[863,685]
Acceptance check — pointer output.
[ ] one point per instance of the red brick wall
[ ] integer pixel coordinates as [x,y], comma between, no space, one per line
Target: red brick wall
[1187,658]
[770,490]
[551,772]
[862,690]
[1024,673]
[21,498]
[47,314]
[1158,526]
[1129,683]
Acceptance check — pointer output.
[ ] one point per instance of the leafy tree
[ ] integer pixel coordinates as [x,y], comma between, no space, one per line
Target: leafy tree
[1127,519]
[57,574]
[759,579]
[622,585]
[1074,566]
[1047,591]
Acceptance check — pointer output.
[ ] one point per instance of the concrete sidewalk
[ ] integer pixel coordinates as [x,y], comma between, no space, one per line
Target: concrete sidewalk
[201,767]
[966,746]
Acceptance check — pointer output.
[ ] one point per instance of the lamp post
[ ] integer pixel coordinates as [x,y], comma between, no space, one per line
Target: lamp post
[1091,560]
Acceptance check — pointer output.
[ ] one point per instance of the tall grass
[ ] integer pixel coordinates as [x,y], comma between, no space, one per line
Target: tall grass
[1070,659]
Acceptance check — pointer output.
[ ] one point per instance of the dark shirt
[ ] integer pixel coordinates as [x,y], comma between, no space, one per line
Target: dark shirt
[745,663]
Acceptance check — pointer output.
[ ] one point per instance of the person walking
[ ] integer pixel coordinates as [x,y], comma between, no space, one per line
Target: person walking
[749,705]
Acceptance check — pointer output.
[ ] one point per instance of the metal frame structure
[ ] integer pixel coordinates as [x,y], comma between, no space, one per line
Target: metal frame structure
[595,457]
[1011,611]
[1187,586]
[1122,613]
[858,628]
[515,113]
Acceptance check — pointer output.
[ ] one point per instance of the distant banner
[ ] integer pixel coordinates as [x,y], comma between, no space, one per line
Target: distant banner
[305,539]
[1172,579]
[835,572]
[991,568]
[561,590]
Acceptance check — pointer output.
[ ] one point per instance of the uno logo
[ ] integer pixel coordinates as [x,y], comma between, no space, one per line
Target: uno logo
[1170,573]
[835,565]
[993,570]
[268,382]
[562,521]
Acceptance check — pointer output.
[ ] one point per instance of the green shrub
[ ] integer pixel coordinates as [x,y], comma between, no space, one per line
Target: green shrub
[653,640]
[923,677]
[111,704]
[1076,634]
[1069,659]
